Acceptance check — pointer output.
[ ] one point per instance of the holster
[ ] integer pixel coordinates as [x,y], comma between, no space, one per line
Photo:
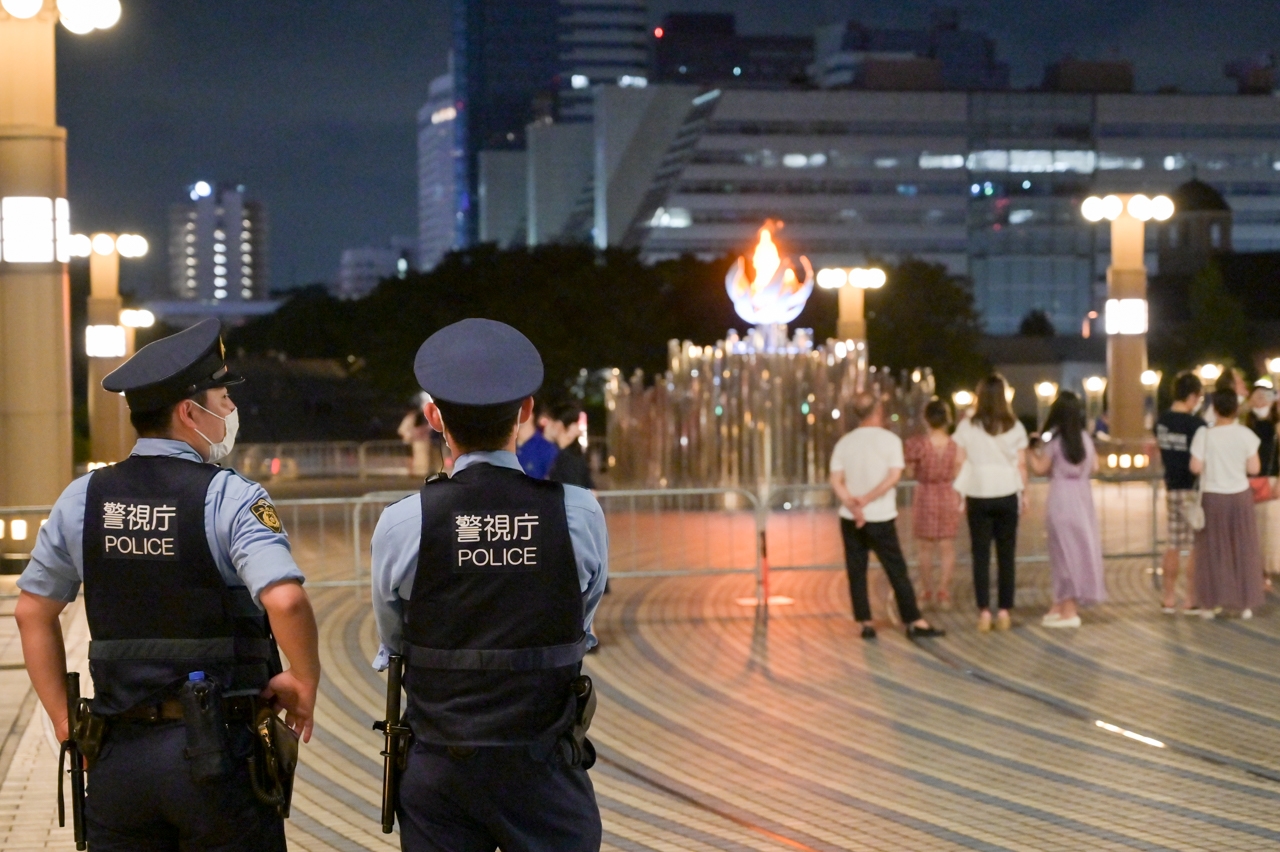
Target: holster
[88,731]
[273,761]
[575,748]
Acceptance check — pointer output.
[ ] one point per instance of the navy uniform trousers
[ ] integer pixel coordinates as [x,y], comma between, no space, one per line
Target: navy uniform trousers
[496,797]
[141,797]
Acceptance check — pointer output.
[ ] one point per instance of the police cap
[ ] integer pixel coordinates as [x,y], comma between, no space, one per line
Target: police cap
[174,368]
[478,362]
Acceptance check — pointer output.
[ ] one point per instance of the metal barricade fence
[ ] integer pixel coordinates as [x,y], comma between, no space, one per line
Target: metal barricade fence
[291,460]
[680,532]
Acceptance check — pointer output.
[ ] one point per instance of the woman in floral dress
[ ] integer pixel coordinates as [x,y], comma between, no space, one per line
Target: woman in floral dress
[933,460]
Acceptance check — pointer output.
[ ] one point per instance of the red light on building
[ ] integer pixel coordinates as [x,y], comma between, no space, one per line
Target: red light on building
[657,32]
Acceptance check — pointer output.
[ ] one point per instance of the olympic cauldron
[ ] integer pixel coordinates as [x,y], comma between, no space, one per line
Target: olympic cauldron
[751,410]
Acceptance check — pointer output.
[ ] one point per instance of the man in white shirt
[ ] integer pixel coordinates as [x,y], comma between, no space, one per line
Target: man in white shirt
[866,465]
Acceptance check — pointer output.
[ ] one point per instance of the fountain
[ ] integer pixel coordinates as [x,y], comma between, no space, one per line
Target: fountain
[752,410]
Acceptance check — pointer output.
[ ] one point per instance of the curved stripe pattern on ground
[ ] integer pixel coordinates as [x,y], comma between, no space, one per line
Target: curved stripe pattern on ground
[721,731]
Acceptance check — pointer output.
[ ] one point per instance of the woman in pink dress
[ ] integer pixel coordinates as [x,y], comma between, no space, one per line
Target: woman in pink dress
[933,461]
[1075,541]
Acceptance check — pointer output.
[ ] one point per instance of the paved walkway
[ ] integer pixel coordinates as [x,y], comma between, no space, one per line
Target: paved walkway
[717,730]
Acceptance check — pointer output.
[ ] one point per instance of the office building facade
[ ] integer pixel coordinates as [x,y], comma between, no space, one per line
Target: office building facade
[218,245]
[986,183]
[362,269]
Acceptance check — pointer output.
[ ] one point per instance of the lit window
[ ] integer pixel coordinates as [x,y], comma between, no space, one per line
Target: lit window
[191,261]
[219,294]
[1018,217]
[219,270]
[246,269]
[1109,162]
[630,81]
[941,161]
[675,217]
[440,116]
[885,162]
[246,281]
[737,72]
[817,160]
[247,294]
[191,238]
[247,258]
[219,247]
[219,282]
[684,70]
[579,81]
[219,234]
[795,161]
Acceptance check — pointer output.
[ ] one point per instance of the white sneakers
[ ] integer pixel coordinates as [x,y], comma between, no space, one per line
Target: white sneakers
[1052,619]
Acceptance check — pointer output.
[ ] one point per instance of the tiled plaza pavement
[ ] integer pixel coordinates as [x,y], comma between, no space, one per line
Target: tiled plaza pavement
[718,731]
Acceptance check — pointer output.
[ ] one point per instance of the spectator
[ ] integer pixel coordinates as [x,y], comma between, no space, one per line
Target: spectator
[1264,419]
[1174,431]
[1229,574]
[933,461]
[570,465]
[535,443]
[416,432]
[993,481]
[1075,541]
[866,465]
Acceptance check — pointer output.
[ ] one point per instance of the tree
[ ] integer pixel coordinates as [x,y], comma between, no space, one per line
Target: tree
[1219,327]
[924,317]
[1036,324]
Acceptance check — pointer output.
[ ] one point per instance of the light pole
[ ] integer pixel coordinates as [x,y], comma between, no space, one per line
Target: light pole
[35,345]
[852,284]
[1046,393]
[1126,310]
[109,340]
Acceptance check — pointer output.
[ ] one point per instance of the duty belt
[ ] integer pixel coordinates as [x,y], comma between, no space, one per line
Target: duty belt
[238,708]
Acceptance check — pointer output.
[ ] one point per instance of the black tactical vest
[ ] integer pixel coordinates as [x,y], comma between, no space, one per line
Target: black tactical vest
[158,608]
[493,629]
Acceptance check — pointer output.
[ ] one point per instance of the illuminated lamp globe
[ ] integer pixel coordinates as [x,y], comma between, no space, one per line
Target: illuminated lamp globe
[81,245]
[1091,209]
[830,278]
[1149,378]
[1161,208]
[103,244]
[876,278]
[1140,207]
[22,9]
[106,13]
[1046,390]
[1273,365]
[1112,207]
[202,189]
[1209,372]
[962,399]
[131,245]
[78,16]
[1095,384]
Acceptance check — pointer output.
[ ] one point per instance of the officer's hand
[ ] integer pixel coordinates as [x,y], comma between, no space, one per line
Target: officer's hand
[297,697]
[62,728]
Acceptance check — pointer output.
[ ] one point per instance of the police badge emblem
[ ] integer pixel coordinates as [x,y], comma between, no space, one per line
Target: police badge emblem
[265,512]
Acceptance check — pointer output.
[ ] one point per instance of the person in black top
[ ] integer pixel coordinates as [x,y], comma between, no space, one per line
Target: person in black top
[1262,418]
[570,466]
[1174,431]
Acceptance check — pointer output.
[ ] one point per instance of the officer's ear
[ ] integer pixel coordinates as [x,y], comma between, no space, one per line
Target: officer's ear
[526,410]
[432,413]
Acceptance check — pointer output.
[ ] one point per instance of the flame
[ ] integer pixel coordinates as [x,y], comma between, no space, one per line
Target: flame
[774,293]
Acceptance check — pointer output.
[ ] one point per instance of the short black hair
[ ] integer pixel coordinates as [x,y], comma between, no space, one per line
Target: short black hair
[480,428]
[1186,384]
[937,414]
[1225,402]
[568,414]
[156,422]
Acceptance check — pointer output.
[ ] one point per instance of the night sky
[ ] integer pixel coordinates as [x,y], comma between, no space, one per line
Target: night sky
[312,105]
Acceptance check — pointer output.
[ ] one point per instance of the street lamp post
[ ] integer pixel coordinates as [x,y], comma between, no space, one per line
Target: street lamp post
[35,345]
[1126,309]
[852,285]
[109,340]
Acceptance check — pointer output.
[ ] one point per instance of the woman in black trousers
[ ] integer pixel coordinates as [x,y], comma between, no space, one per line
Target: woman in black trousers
[993,481]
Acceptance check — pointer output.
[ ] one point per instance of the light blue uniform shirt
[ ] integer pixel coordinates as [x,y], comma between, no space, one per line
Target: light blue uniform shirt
[246,551]
[398,536]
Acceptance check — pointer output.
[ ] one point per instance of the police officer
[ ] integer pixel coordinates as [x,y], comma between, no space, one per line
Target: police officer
[179,560]
[487,582]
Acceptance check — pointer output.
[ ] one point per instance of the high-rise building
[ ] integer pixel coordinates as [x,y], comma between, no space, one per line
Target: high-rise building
[600,42]
[218,245]
[515,61]
[439,219]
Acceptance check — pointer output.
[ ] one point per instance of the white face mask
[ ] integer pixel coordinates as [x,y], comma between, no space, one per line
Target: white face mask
[1262,413]
[219,450]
